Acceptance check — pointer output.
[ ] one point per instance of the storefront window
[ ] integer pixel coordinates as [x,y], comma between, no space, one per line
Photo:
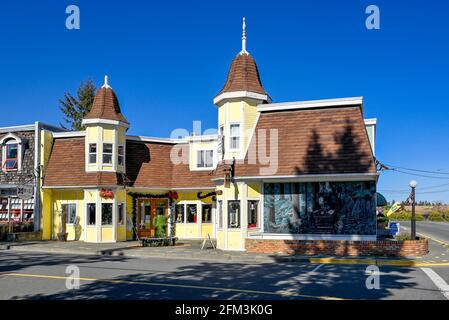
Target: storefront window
[191,213]
[91,214]
[207,213]
[252,213]
[106,214]
[179,209]
[347,208]
[69,210]
[234,214]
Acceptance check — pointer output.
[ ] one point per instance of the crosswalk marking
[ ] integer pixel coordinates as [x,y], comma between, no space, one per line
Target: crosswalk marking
[438,281]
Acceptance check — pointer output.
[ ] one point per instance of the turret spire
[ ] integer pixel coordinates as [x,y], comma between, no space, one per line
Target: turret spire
[106,84]
[244,37]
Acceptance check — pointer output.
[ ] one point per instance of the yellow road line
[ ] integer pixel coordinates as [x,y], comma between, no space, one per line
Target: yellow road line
[283,293]
[396,263]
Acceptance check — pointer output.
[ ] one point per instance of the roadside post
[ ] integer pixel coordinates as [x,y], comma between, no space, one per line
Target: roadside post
[413,184]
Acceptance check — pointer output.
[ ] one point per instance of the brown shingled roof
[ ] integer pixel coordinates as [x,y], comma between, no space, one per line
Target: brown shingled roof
[243,75]
[148,165]
[69,153]
[320,141]
[106,106]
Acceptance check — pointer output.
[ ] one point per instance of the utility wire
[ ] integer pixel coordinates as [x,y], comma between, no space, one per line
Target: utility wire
[418,170]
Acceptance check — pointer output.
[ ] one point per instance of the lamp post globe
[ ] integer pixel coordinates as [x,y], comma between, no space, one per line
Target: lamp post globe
[413,184]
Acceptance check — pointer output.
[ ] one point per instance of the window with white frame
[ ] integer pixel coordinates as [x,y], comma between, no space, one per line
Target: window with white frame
[92,153]
[69,210]
[107,153]
[234,136]
[106,214]
[11,152]
[121,156]
[205,158]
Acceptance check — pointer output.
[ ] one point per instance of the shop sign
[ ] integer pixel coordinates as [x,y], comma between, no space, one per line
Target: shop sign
[25,192]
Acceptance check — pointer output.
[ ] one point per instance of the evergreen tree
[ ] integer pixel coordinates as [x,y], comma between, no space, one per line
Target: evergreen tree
[74,109]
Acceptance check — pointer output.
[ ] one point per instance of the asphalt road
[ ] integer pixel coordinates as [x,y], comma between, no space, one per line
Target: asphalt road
[43,276]
[436,230]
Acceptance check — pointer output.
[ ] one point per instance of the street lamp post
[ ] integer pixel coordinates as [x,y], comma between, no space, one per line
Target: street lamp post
[413,184]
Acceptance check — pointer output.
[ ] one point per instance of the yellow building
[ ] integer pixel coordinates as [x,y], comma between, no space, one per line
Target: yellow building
[300,170]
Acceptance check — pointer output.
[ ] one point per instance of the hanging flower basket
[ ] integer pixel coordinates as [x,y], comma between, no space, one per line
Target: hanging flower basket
[107,194]
[173,195]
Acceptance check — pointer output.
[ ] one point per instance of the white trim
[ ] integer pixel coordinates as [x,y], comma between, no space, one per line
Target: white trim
[26,127]
[340,102]
[311,177]
[274,236]
[105,121]
[208,137]
[154,139]
[241,94]
[371,121]
[70,134]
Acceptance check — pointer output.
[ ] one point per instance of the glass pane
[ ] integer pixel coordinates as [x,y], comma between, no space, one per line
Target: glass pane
[92,158]
[234,214]
[320,208]
[91,216]
[179,213]
[120,213]
[191,213]
[220,214]
[106,213]
[252,213]
[200,159]
[92,148]
[12,151]
[209,158]
[107,148]
[107,158]
[207,213]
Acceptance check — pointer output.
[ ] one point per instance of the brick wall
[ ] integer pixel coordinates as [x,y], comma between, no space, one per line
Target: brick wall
[339,248]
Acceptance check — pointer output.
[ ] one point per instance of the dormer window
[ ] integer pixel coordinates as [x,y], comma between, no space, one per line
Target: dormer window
[205,159]
[11,152]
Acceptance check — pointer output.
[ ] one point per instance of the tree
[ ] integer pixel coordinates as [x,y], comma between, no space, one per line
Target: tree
[74,109]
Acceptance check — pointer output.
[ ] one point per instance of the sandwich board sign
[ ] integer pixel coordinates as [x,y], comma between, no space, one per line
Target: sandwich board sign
[25,192]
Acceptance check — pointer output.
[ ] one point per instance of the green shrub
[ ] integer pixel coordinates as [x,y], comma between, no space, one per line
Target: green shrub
[403,237]
[160,226]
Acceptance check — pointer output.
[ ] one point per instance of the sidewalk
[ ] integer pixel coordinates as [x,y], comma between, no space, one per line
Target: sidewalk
[438,256]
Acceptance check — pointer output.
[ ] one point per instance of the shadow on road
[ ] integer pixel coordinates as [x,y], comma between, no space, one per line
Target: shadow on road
[205,280]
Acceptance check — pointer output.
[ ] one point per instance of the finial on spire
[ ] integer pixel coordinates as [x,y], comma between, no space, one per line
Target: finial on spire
[244,37]
[106,84]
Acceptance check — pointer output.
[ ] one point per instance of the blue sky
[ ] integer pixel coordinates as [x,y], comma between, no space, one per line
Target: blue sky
[167,59]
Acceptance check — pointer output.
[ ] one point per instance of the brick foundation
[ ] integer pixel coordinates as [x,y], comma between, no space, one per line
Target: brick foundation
[407,248]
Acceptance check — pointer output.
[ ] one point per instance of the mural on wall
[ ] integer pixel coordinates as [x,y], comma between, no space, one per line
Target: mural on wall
[346,208]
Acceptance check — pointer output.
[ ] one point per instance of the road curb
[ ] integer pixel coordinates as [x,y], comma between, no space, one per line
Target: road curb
[234,259]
